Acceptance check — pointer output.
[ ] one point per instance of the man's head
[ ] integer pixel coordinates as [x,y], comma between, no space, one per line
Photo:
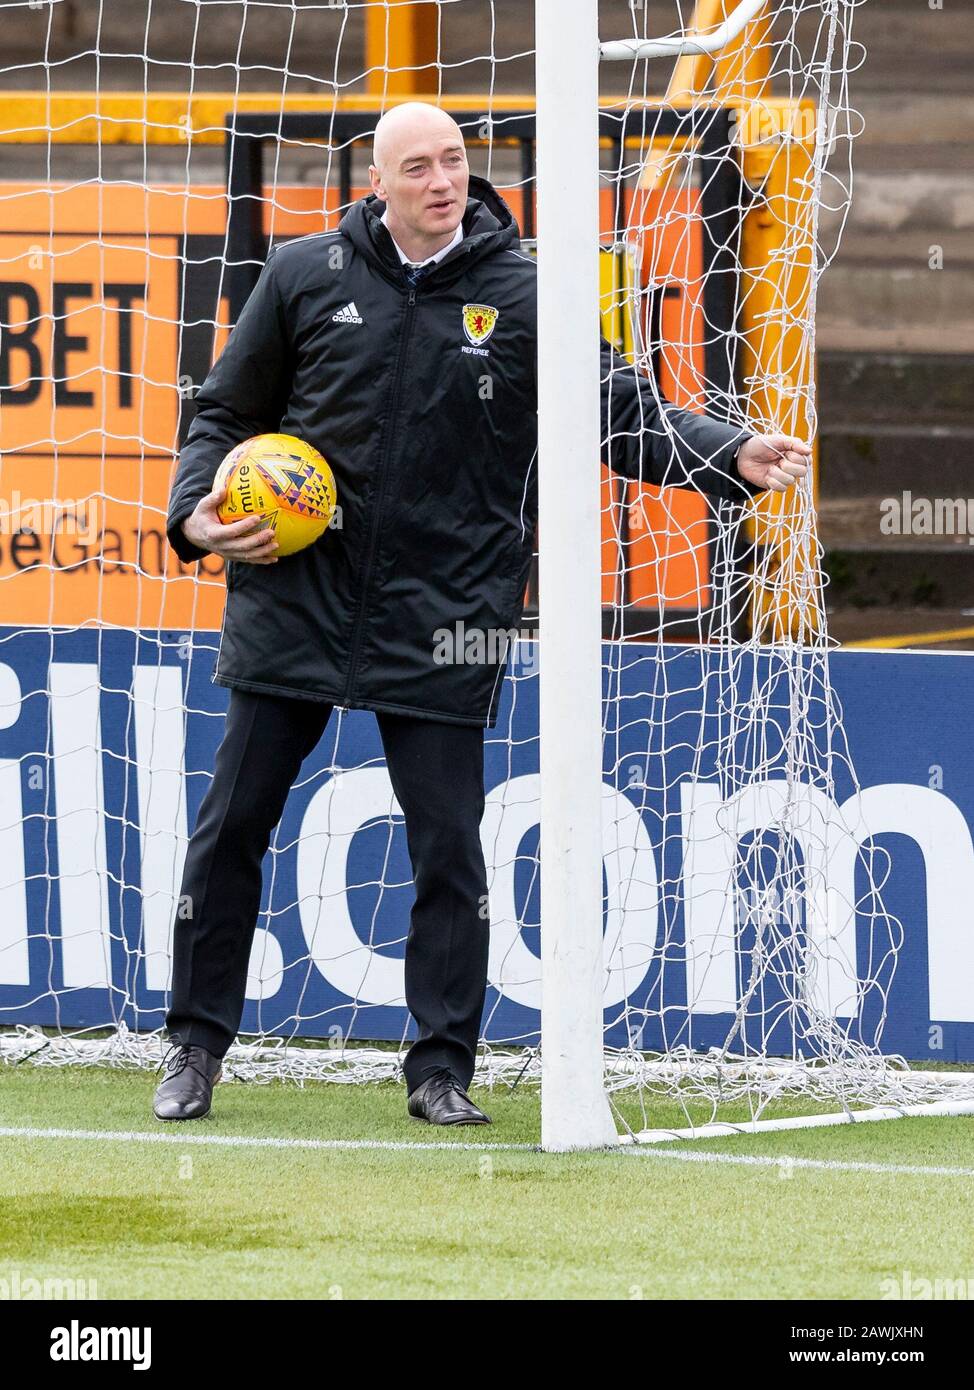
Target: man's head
[419,170]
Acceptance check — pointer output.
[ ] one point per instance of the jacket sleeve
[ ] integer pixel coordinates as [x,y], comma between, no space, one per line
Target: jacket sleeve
[246,393]
[649,440]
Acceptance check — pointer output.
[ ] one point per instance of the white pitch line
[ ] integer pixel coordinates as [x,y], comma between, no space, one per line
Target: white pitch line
[786,1161]
[242,1141]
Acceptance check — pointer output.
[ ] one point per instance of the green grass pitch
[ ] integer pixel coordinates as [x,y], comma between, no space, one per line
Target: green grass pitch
[181,1219]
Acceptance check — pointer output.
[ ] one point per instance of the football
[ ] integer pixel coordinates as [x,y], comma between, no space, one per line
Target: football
[284,480]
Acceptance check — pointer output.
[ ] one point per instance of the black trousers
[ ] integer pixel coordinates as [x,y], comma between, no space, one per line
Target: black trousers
[437,773]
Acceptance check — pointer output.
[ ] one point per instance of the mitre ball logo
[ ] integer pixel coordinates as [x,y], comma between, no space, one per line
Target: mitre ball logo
[478,322]
[283,479]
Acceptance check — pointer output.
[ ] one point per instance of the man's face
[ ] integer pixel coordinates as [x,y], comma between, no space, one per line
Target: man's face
[424,184]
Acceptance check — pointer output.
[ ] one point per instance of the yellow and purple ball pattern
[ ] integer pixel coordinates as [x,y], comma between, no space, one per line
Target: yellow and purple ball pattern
[283,479]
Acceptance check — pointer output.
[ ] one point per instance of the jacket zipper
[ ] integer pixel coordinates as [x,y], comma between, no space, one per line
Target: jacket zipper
[380,495]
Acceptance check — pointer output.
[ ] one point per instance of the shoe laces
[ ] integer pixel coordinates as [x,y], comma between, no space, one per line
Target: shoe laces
[176,1060]
[442,1081]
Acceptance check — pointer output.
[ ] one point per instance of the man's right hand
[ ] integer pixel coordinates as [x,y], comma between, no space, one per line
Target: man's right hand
[248,540]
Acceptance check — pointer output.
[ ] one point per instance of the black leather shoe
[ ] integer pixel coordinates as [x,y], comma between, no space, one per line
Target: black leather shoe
[442,1101]
[187,1090]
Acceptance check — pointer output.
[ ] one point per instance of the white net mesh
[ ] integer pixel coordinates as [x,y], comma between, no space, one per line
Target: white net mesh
[749,953]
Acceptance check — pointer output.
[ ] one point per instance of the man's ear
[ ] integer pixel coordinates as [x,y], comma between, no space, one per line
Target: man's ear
[375,179]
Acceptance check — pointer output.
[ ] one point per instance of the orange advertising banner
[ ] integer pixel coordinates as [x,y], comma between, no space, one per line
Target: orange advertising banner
[91,305]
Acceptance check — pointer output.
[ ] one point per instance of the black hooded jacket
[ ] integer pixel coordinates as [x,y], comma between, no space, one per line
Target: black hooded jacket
[431,432]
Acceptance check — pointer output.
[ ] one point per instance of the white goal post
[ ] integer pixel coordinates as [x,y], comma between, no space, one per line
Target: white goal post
[574,1109]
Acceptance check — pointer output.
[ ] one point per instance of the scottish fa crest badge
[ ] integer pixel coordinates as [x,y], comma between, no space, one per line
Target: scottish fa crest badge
[478,322]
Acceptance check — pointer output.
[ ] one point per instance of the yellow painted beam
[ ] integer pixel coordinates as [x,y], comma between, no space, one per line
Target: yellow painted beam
[401,49]
[688,78]
[617,278]
[778,364]
[691,70]
[170,118]
[742,71]
[912,639]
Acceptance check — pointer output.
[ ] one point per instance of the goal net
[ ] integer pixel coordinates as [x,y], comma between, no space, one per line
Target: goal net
[153,153]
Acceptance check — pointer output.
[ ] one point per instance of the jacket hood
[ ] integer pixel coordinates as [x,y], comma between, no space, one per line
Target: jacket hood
[488,227]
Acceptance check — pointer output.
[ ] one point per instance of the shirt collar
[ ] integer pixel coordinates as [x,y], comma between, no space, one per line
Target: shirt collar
[437,255]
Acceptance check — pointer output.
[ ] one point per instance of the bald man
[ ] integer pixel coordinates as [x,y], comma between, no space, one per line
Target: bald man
[403,346]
